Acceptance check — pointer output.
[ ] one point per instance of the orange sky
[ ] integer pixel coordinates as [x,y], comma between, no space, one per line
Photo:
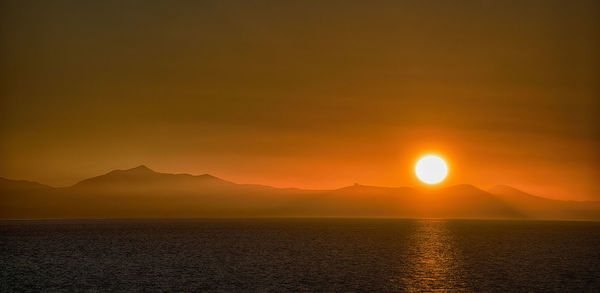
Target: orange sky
[304,93]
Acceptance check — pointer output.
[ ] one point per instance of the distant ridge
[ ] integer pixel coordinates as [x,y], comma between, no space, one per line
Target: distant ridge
[141,192]
[145,177]
[20,184]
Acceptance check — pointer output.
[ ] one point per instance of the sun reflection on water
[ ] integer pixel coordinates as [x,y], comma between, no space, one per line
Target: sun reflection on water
[435,264]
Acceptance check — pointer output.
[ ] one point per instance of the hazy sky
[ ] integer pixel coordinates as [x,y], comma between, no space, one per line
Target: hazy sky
[312,94]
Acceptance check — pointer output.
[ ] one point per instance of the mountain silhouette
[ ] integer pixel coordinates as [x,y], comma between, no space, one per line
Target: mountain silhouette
[7,184]
[144,178]
[143,193]
[539,207]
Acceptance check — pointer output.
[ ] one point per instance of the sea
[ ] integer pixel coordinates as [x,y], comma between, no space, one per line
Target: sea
[299,255]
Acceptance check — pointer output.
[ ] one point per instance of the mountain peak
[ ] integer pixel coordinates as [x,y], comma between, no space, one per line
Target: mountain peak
[142,177]
[141,169]
[503,188]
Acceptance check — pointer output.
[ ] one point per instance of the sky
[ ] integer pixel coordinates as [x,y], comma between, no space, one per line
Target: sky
[309,94]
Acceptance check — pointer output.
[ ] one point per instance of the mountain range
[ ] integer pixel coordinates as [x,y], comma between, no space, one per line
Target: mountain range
[143,193]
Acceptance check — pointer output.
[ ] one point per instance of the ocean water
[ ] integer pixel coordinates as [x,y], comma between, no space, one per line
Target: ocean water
[313,255]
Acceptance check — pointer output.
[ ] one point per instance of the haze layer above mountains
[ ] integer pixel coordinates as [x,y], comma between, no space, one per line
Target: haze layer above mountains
[143,193]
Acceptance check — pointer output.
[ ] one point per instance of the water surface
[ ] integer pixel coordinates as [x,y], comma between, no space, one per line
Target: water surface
[299,255]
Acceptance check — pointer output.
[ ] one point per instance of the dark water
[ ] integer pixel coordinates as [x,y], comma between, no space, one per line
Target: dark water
[299,255]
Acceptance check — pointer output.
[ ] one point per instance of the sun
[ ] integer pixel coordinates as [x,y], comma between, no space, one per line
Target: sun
[431,169]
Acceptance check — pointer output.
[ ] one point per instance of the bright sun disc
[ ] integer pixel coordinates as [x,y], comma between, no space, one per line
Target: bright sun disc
[431,169]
